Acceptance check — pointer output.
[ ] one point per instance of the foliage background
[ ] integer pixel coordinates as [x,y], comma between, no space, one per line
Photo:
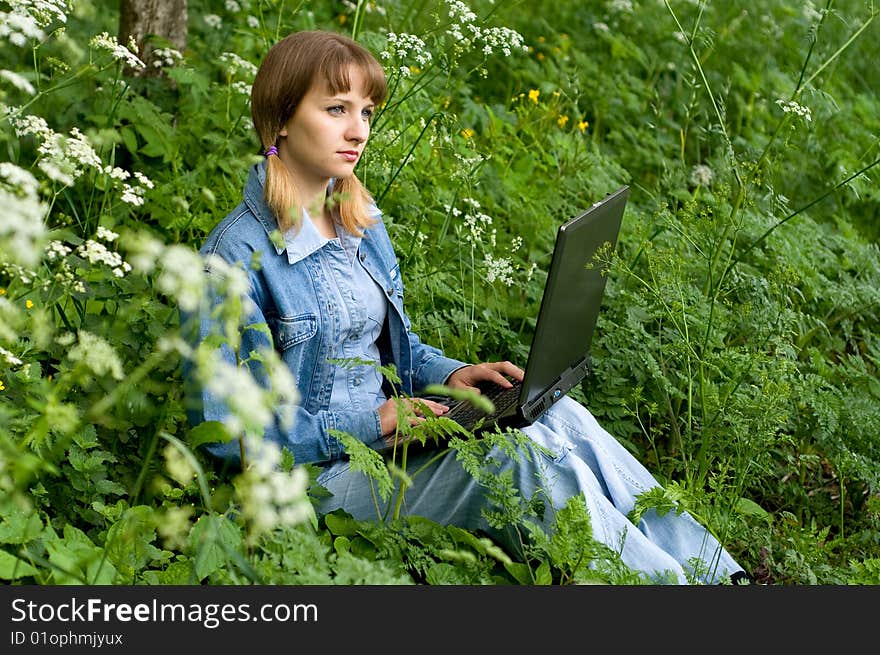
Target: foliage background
[736,354]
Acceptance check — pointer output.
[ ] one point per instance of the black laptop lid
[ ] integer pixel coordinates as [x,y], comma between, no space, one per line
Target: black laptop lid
[559,355]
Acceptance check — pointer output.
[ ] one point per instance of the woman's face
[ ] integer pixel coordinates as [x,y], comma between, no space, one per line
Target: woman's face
[326,134]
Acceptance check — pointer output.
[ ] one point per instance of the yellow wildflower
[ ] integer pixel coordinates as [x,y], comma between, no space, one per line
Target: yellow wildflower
[467,133]
[533,95]
[342,18]
[2,292]
[28,303]
[415,70]
[2,386]
[583,125]
[540,56]
[562,120]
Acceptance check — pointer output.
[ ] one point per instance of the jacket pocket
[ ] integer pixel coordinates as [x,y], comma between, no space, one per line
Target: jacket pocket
[296,329]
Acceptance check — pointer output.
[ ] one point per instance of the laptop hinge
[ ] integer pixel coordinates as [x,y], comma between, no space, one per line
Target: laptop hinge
[569,378]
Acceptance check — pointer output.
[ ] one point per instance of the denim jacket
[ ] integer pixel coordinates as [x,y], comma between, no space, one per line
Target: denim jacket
[293,300]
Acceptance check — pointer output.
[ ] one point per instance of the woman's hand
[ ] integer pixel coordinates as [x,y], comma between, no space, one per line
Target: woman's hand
[470,376]
[419,406]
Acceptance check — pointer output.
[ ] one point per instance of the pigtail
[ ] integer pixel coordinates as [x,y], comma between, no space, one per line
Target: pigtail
[280,194]
[354,201]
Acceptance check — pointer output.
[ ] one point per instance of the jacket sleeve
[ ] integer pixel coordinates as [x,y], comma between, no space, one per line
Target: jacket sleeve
[307,436]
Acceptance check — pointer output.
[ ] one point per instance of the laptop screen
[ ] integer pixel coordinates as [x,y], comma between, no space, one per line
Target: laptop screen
[559,354]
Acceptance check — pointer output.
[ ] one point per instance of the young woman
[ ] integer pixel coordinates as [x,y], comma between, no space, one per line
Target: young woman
[332,290]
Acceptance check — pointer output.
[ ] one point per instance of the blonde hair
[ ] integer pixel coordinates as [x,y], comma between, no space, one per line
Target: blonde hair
[288,71]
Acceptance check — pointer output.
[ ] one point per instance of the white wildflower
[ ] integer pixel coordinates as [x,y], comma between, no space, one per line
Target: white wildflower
[116,173]
[43,12]
[232,6]
[105,41]
[18,81]
[57,250]
[235,64]
[790,106]
[620,6]
[270,497]
[235,387]
[133,195]
[406,47]
[97,253]
[233,280]
[97,354]
[502,39]
[177,465]
[460,12]
[701,175]
[105,234]
[78,148]
[166,57]
[242,88]
[22,229]
[213,21]
[182,276]
[19,178]
[143,179]
[500,269]
[9,358]
[19,28]
[253,22]
[174,526]
[26,125]
[145,253]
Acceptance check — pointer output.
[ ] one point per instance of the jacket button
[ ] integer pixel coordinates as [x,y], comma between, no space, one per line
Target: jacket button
[363,256]
[389,290]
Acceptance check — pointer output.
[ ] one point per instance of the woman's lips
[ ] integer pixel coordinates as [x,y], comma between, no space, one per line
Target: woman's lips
[349,155]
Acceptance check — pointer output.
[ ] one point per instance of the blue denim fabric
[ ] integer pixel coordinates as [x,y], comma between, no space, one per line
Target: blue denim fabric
[361,311]
[293,294]
[581,458]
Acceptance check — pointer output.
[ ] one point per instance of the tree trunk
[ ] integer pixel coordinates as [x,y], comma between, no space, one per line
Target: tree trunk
[142,20]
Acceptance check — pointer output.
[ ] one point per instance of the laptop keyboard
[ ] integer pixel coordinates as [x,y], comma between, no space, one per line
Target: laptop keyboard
[467,415]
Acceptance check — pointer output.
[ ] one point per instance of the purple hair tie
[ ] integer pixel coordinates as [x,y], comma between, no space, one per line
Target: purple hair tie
[271,151]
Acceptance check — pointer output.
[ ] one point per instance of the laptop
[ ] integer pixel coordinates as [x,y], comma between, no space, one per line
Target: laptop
[559,356]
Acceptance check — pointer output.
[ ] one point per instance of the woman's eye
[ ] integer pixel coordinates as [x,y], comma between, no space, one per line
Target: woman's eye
[367,113]
[336,109]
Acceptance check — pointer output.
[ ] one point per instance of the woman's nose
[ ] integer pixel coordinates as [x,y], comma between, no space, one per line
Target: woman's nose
[358,130]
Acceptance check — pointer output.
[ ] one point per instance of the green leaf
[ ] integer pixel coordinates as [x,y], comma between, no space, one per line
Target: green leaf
[342,544]
[129,137]
[751,508]
[208,432]
[341,524]
[129,540]
[179,572]
[520,572]
[13,568]
[77,560]
[18,525]
[543,574]
[215,540]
